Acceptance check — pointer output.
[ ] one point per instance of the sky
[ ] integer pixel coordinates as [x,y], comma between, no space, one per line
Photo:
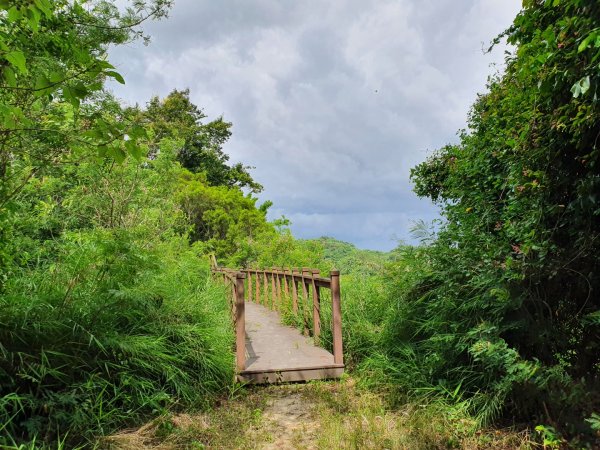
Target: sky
[332,101]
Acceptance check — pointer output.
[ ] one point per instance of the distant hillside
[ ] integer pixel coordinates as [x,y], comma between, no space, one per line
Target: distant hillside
[345,257]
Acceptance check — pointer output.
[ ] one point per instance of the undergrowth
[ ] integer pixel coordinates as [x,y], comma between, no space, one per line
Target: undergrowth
[141,335]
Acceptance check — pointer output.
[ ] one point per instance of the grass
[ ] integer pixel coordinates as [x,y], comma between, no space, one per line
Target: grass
[75,366]
[324,415]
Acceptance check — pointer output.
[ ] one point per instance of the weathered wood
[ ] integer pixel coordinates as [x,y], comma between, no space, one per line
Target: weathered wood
[273,291]
[249,277]
[295,358]
[286,287]
[265,290]
[280,353]
[278,284]
[290,375]
[295,291]
[306,273]
[336,317]
[316,307]
[240,322]
[257,287]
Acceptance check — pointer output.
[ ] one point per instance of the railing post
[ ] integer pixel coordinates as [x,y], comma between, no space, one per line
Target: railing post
[273,290]
[338,355]
[233,299]
[265,290]
[286,286]
[306,273]
[316,295]
[257,287]
[249,276]
[294,290]
[278,275]
[240,322]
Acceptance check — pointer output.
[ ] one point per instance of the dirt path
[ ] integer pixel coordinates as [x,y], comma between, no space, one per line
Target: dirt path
[320,415]
[293,420]
[263,418]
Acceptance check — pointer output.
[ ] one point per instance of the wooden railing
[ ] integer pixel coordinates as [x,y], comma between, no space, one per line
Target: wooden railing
[276,288]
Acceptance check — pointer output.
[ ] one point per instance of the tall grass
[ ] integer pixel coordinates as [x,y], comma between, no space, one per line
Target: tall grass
[113,331]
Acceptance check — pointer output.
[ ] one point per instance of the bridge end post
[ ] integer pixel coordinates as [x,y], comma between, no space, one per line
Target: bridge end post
[338,352]
[240,322]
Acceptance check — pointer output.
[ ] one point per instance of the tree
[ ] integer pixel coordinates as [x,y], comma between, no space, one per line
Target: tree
[52,103]
[176,116]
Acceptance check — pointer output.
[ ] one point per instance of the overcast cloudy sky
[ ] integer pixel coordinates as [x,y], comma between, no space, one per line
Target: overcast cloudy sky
[333,101]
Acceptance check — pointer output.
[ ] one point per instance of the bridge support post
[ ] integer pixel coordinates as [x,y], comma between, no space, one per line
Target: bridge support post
[338,355]
[240,322]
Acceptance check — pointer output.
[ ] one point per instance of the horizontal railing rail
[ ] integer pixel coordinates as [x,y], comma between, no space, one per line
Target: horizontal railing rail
[281,287]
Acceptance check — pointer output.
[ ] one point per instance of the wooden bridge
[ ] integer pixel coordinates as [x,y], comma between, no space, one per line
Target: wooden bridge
[269,351]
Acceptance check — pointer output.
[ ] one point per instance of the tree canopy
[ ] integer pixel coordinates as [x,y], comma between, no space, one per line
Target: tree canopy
[176,116]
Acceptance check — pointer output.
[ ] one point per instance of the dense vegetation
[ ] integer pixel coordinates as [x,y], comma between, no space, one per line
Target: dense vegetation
[509,305]
[108,315]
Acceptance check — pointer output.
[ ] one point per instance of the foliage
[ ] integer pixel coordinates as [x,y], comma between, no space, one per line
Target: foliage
[224,219]
[108,316]
[106,311]
[201,149]
[506,311]
[348,259]
[82,358]
[53,63]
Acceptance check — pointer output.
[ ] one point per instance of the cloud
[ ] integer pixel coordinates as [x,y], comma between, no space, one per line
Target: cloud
[332,101]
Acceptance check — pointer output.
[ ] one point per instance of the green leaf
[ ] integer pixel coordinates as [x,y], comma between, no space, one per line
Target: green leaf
[45,6]
[592,318]
[70,97]
[33,18]
[104,64]
[79,90]
[14,14]
[117,153]
[585,85]
[137,131]
[117,76]
[9,77]
[41,85]
[586,42]
[17,59]
[581,87]
[94,133]
[133,149]
[56,76]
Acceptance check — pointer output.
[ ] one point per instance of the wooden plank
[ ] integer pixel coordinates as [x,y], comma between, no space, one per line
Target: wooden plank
[275,352]
[286,376]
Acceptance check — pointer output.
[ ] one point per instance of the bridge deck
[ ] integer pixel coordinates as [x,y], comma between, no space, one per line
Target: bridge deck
[277,353]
